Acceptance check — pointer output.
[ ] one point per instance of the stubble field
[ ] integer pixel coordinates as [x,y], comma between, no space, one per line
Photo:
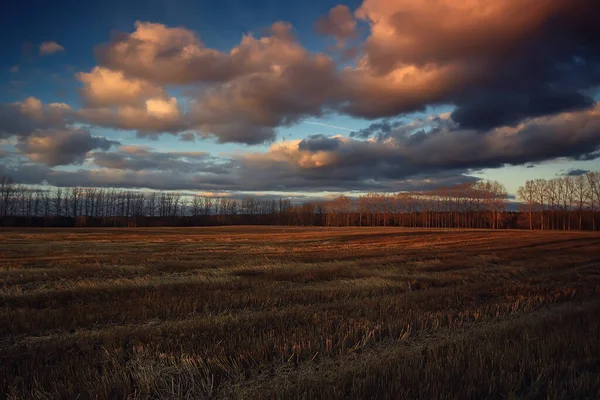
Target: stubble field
[271,312]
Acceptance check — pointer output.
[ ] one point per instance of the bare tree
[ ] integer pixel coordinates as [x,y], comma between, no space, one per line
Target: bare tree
[196,206]
[581,194]
[527,194]
[7,193]
[593,184]
[569,188]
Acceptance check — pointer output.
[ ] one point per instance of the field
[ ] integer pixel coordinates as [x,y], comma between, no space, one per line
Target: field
[271,312]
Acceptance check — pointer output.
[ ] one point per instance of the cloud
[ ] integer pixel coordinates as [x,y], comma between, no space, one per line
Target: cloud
[377,129]
[21,119]
[14,69]
[339,23]
[187,137]
[423,154]
[210,182]
[576,172]
[150,117]
[50,48]
[159,180]
[61,147]
[104,87]
[44,133]
[483,111]
[164,54]
[135,167]
[167,55]
[505,62]
[498,67]
[154,116]
[442,148]
[518,75]
[316,143]
[163,108]
[259,85]
[249,108]
[137,158]
[263,83]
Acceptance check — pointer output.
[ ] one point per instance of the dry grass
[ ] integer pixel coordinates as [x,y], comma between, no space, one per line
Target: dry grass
[268,312]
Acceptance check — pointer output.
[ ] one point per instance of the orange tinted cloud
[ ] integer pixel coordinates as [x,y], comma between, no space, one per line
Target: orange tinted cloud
[339,23]
[50,47]
[104,87]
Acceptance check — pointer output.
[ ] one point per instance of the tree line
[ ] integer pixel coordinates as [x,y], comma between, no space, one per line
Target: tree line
[561,203]
[565,203]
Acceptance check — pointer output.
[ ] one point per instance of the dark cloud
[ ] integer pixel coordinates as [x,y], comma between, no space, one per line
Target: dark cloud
[377,129]
[576,172]
[43,132]
[136,158]
[62,147]
[316,143]
[21,119]
[5,155]
[589,156]
[187,137]
[169,180]
[161,180]
[486,110]
[237,132]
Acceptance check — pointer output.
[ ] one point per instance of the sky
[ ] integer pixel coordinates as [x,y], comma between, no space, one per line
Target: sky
[298,98]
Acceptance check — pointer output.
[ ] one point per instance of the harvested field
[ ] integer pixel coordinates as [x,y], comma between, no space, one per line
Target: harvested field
[280,312]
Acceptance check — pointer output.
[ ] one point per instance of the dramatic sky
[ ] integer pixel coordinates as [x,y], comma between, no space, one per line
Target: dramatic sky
[298,97]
